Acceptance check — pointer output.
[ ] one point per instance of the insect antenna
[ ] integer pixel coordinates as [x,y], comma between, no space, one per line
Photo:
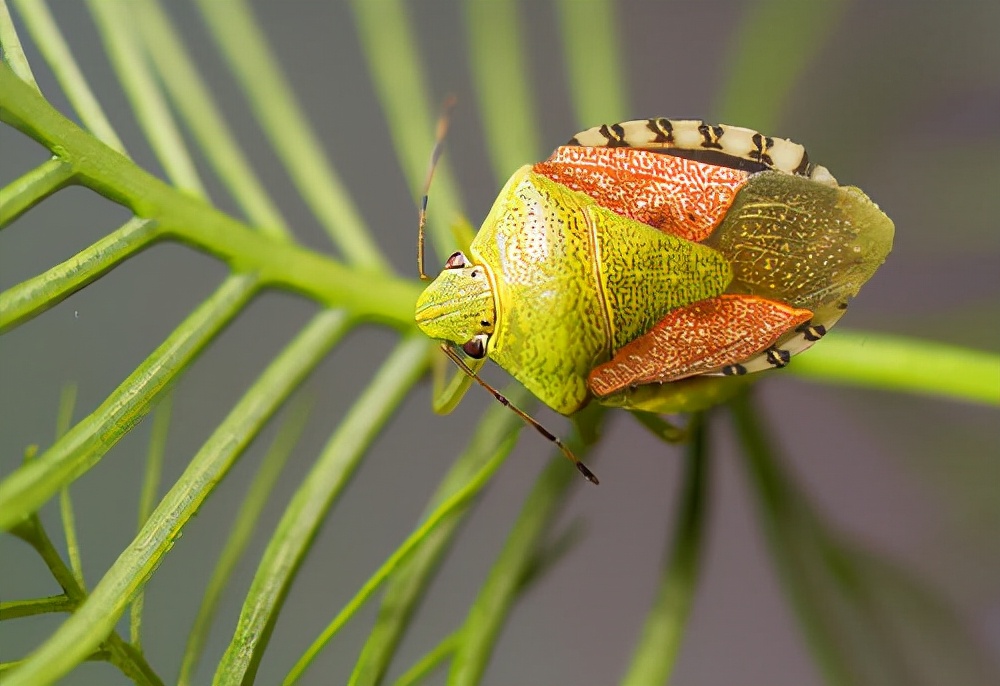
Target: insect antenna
[442,131]
[528,419]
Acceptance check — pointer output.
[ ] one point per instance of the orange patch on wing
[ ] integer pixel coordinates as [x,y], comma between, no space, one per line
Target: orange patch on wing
[697,339]
[679,196]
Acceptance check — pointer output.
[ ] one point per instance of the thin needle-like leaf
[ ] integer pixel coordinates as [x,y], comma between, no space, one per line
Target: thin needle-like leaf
[194,102]
[495,599]
[234,27]
[144,93]
[593,59]
[429,662]
[761,74]
[655,654]
[67,403]
[866,622]
[409,582]
[52,45]
[96,618]
[26,191]
[31,485]
[503,84]
[397,73]
[13,53]
[541,561]
[457,500]
[38,294]
[243,530]
[147,497]
[319,490]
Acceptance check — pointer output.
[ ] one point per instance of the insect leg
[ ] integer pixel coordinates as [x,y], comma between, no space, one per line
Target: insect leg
[528,419]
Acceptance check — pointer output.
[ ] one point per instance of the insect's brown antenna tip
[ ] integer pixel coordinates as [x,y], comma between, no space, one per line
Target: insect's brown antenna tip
[590,476]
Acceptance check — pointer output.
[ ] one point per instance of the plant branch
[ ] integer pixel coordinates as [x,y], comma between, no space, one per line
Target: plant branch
[301,520]
[188,219]
[144,94]
[397,72]
[655,653]
[97,616]
[189,94]
[456,501]
[245,524]
[50,42]
[895,363]
[283,122]
[409,582]
[13,609]
[31,485]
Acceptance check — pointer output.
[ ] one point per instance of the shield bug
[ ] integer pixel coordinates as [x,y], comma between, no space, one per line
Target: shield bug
[644,261]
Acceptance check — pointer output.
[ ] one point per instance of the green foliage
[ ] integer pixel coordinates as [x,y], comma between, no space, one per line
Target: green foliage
[836,591]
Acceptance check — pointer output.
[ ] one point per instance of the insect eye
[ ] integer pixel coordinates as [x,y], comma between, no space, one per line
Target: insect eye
[476,347]
[457,260]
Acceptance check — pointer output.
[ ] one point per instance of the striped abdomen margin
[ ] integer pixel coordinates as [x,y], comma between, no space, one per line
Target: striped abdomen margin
[731,146]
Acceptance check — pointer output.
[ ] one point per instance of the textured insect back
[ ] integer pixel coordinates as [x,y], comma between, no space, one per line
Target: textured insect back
[790,232]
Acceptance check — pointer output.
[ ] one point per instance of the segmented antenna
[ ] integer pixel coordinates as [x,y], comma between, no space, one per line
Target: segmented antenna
[442,131]
[528,419]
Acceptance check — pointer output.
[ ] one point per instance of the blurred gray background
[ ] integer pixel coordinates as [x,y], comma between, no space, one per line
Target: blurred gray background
[904,102]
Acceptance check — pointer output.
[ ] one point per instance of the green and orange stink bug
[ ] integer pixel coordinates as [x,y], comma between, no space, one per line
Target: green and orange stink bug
[645,261]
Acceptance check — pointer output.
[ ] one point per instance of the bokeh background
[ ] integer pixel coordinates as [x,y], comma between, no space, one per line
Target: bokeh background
[902,99]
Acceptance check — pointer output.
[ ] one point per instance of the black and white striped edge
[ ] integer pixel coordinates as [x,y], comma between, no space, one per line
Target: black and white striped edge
[718,143]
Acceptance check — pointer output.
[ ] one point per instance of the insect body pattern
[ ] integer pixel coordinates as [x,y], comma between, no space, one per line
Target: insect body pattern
[644,261]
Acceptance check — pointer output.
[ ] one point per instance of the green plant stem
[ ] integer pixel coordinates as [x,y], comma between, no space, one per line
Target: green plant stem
[312,500]
[96,617]
[234,27]
[457,500]
[655,654]
[52,45]
[242,533]
[112,647]
[895,363]
[409,582]
[789,525]
[30,298]
[189,94]
[151,109]
[96,656]
[13,609]
[429,662]
[496,597]
[541,561]
[26,191]
[67,402]
[147,498]
[185,218]
[32,484]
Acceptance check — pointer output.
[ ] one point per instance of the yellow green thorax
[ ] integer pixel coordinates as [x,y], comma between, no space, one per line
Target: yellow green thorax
[573,282]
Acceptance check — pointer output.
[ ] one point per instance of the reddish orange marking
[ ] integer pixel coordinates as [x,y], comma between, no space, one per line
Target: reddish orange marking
[696,339]
[681,197]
